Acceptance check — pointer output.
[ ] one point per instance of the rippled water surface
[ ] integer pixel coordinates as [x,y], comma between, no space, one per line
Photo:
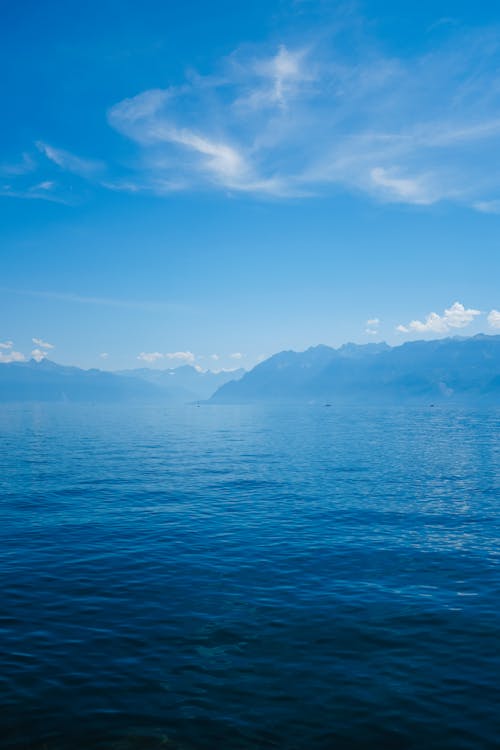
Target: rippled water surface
[223,577]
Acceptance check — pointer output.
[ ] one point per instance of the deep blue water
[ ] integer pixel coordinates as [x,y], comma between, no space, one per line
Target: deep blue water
[223,577]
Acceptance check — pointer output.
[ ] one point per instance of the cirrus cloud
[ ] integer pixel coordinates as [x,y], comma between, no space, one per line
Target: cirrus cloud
[313,112]
[68,161]
[408,129]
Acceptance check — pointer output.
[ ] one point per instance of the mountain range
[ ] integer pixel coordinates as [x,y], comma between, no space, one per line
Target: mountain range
[452,369]
[185,382]
[48,381]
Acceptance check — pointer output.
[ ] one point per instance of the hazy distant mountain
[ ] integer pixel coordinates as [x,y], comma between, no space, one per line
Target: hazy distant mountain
[186,382]
[48,381]
[448,369]
[452,369]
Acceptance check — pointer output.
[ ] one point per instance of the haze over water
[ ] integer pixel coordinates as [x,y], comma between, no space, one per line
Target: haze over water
[249,577]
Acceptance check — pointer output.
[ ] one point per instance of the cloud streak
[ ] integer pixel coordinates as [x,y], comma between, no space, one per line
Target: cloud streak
[70,162]
[153,306]
[42,344]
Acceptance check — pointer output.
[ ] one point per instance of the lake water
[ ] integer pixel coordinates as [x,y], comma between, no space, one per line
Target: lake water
[249,577]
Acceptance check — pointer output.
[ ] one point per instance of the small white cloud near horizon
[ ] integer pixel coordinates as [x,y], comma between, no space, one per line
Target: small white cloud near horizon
[187,356]
[372,325]
[456,316]
[12,356]
[104,355]
[42,344]
[38,355]
[6,344]
[236,355]
[494,319]
[149,356]
[214,357]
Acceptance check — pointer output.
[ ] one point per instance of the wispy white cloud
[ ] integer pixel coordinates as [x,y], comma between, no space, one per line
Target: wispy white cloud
[104,355]
[309,114]
[237,355]
[148,305]
[43,344]
[181,155]
[271,81]
[303,118]
[494,318]
[44,185]
[488,207]
[47,190]
[456,316]
[404,189]
[23,166]
[69,162]
[6,344]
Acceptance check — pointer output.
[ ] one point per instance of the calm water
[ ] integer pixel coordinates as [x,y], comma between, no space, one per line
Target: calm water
[223,577]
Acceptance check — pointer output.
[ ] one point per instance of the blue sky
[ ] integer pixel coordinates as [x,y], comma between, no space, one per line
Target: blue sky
[213,182]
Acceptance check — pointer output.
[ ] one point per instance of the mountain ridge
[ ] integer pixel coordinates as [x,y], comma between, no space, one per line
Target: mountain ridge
[452,368]
[448,369]
[49,381]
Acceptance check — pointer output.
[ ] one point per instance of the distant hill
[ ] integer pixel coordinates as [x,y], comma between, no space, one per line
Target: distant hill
[48,381]
[456,369]
[186,382]
[453,369]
